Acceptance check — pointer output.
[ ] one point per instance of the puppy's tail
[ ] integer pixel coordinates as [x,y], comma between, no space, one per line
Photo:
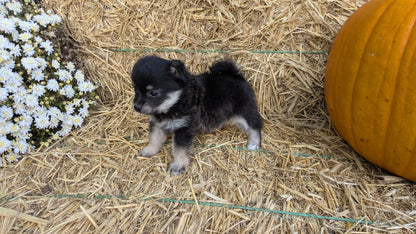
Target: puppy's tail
[226,67]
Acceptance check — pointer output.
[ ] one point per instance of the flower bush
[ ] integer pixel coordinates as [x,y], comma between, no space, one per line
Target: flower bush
[42,97]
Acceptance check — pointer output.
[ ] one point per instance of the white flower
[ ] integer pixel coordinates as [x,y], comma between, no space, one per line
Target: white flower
[27,26]
[38,39]
[5,73]
[41,63]
[6,127]
[25,36]
[26,120]
[38,90]
[70,66]
[28,49]
[28,17]
[16,7]
[55,137]
[4,43]
[15,50]
[15,36]
[24,133]
[55,64]
[21,146]
[63,75]
[52,85]
[19,108]
[7,25]
[12,157]
[9,64]
[54,122]
[3,127]
[42,19]
[42,122]
[4,144]
[38,75]
[85,86]
[60,116]
[69,108]
[4,55]
[40,111]
[76,102]
[66,129]
[3,13]
[85,103]
[79,76]
[84,112]
[19,95]
[55,19]
[4,94]
[30,63]
[77,120]
[54,111]
[13,128]
[13,83]
[68,119]
[47,45]
[6,112]
[67,91]
[32,100]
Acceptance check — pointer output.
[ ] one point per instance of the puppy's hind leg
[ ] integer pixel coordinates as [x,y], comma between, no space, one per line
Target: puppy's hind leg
[157,138]
[182,144]
[254,138]
[252,126]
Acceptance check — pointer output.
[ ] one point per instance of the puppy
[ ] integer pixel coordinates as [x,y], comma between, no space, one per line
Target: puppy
[182,104]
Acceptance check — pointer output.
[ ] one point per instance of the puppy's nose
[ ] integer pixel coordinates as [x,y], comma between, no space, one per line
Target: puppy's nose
[138,107]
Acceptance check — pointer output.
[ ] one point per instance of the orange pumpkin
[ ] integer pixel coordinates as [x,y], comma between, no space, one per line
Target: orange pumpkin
[370,84]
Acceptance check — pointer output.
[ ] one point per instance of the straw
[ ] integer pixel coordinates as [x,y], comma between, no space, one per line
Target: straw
[288,174]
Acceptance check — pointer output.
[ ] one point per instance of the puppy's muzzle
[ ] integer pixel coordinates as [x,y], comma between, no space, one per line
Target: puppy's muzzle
[143,108]
[138,107]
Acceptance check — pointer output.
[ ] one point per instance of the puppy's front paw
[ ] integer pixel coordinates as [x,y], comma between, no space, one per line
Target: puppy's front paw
[177,169]
[148,152]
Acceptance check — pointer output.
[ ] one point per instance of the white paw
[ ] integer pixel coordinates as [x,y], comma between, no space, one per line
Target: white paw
[177,169]
[253,146]
[148,151]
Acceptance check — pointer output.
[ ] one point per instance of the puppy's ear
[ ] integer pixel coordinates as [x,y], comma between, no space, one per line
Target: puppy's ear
[177,68]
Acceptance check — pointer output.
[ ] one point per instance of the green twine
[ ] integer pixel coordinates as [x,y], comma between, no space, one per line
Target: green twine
[267,151]
[170,200]
[219,51]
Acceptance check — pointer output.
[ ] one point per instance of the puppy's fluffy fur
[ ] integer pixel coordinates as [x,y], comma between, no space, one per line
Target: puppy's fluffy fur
[182,104]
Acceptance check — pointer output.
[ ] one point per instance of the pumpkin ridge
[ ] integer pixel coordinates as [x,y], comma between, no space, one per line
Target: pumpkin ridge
[409,165]
[353,129]
[397,92]
[411,162]
[331,96]
[341,47]
[406,96]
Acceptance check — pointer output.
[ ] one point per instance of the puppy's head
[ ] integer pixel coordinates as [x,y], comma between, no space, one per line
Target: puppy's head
[158,84]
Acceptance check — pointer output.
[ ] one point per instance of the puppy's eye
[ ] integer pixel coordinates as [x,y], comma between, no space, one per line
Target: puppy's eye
[152,93]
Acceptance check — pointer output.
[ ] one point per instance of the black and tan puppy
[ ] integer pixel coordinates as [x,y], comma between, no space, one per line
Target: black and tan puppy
[182,104]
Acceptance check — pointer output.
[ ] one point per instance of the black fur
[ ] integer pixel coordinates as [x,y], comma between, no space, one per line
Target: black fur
[206,101]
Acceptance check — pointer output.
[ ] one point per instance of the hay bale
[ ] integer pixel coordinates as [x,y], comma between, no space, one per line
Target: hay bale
[93,180]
